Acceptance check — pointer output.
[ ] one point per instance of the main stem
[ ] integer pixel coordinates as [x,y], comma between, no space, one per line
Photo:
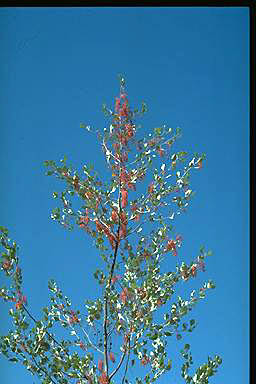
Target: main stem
[108,286]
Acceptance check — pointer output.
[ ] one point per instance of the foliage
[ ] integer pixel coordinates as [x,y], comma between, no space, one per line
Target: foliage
[137,312]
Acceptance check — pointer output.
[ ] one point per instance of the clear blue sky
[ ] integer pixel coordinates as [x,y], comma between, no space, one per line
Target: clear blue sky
[190,65]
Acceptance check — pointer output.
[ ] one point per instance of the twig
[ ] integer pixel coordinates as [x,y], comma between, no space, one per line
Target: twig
[127,362]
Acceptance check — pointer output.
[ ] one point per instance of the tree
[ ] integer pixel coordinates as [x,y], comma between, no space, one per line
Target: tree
[133,234]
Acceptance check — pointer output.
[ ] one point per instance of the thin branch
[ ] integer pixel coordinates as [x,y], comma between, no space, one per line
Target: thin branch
[66,353]
[43,370]
[118,367]
[45,331]
[127,362]
[88,338]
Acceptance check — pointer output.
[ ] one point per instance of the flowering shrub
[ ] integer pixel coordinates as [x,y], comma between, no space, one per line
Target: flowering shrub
[134,236]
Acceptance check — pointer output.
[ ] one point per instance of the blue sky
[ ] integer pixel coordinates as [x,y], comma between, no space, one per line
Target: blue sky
[190,65]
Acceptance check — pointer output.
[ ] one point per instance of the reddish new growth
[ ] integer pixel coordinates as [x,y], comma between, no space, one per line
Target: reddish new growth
[160,151]
[137,215]
[124,198]
[103,379]
[112,357]
[171,246]
[116,278]
[145,360]
[193,270]
[129,130]
[102,228]
[82,346]
[73,319]
[151,188]
[124,295]
[100,365]
[114,216]
[22,300]
[6,265]
[200,164]
[84,220]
